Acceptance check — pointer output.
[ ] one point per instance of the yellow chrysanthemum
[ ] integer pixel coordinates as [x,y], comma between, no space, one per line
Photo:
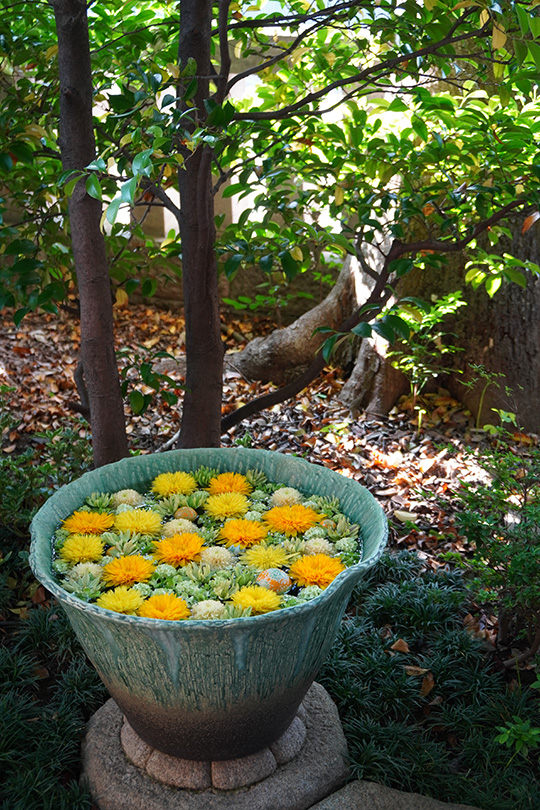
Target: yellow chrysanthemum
[245,533]
[176,483]
[229,482]
[121,600]
[128,570]
[291,520]
[260,600]
[226,505]
[138,521]
[316,569]
[262,557]
[179,549]
[164,606]
[80,548]
[88,522]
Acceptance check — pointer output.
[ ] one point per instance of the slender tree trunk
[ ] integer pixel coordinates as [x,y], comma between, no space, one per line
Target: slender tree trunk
[77,147]
[201,415]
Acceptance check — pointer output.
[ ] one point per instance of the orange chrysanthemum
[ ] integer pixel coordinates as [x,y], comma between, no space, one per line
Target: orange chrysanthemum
[175,483]
[260,600]
[138,521]
[128,570]
[179,549]
[82,548]
[316,569]
[229,482]
[291,520]
[226,505]
[88,522]
[164,606]
[245,533]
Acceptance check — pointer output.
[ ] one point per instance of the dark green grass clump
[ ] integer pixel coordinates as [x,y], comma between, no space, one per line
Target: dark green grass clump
[432,732]
[47,693]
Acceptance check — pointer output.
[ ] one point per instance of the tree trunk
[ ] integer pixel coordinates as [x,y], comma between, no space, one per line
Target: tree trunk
[77,147]
[502,334]
[285,353]
[201,415]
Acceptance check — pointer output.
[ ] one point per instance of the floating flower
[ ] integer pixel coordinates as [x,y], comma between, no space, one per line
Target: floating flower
[291,520]
[245,533]
[88,522]
[138,521]
[179,549]
[226,505]
[127,496]
[178,526]
[208,609]
[217,557]
[318,569]
[263,556]
[121,600]
[175,483]
[128,570]
[318,545]
[286,496]
[164,606]
[274,579]
[82,548]
[260,600]
[229,482]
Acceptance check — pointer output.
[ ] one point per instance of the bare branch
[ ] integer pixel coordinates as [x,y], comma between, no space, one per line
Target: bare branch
[225,56]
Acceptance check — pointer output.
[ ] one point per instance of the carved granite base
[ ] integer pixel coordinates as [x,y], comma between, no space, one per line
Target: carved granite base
[304,766]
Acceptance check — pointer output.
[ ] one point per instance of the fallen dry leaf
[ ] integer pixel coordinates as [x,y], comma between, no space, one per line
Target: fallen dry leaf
[400,646]
[428,682]
[411,670]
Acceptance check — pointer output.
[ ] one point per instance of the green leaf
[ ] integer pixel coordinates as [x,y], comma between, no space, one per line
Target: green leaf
[534,50]
[363,330]
[232,264]
[514,275]
[234,188]
[384,330]
[98,165]
[399,326]
[328,347]
[289,265]
[128,189]
[420,127]
[93,187]
[112,210]
[401,266]
[191,89]
[523,19]
[19,315]
[6,162]
[266,263]
[70,186]
[136,401]
[142,163]
[492,285]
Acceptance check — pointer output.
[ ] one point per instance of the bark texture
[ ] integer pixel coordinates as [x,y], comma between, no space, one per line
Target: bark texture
[77,147]
[285,353]
[204,347]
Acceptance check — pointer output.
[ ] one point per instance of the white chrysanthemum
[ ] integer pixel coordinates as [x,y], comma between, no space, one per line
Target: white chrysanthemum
[286,496]
[217,557]
[124,507]
[347,545]
[310,592]
[253,515]
[164,570]
[143,588]
[312,505]
[208,609]
[315,531]
[179,526]
[318,546]
[86,569]
[127,496]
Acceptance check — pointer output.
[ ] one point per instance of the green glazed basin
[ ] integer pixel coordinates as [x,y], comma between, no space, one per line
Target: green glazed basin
[218,689]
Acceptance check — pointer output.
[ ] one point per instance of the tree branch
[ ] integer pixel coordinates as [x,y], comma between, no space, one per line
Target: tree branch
[224,53]
[370,73]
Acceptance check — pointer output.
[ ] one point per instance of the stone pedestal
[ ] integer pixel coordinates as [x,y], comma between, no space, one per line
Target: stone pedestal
[304,766]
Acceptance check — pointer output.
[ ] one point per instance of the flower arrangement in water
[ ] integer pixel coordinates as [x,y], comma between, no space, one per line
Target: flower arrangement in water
[204,545]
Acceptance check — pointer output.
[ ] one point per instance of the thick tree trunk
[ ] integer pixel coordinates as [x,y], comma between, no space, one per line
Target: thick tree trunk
[285,353]
[201,416]
[77,147]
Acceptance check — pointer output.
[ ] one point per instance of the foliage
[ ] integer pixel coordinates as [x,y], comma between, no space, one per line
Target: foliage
[28,478]
[501,517]
[419,704]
